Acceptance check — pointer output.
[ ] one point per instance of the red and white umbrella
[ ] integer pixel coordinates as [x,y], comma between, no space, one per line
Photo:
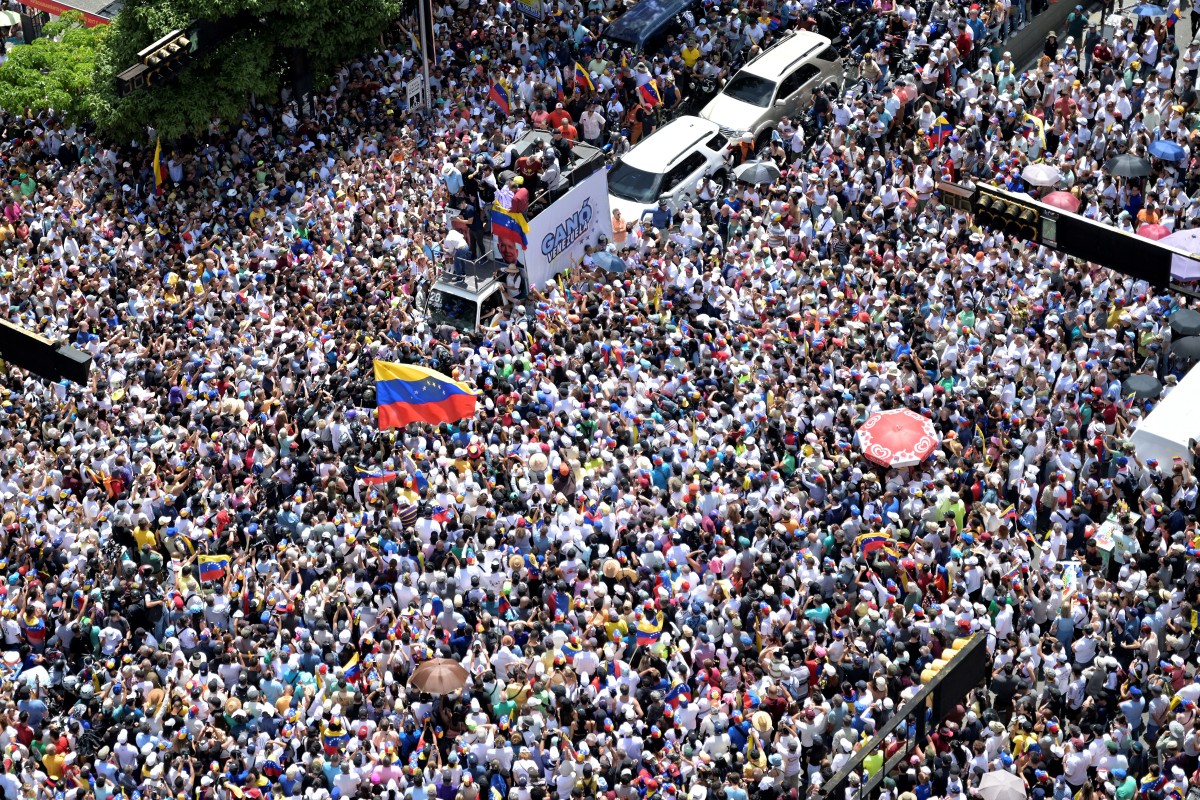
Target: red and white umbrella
[897,438]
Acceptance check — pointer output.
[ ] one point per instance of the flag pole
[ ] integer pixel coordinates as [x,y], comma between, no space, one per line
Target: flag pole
[426,44]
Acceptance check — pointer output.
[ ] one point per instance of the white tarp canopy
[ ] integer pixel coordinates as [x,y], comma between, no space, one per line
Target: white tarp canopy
[1169,430]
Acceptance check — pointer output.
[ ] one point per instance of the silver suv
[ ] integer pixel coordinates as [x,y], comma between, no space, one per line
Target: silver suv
[777,83]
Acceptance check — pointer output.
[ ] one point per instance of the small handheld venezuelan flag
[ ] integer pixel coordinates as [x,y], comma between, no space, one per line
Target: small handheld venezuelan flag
[940,131]
[649,93]
[649,631]
[374,477]
[353,668]
[498,94]
[212,568]
[582,78]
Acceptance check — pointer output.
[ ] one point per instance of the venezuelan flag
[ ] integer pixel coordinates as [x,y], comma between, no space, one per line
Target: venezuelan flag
[505,609]
[334,737]
[570,649]
[160,174]
[352,669]
[1034,126]
[498,94]
[583,79]
[374,477]
[560,603]
[940,131]
[868,543]
[509,225]
[407,393]
[649,93]
[213,568]
[678,693]
[649,631]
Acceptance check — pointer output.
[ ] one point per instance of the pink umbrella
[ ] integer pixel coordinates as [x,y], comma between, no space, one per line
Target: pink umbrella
[1152,231]
[1064,200]
[897,438]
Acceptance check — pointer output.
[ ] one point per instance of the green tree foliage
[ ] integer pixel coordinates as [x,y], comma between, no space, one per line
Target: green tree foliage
[218,84]
[55,72]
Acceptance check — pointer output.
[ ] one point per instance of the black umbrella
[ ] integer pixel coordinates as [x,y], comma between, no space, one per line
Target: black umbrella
[1186,322]
[1187,348]
[1127,165]
[1142,387]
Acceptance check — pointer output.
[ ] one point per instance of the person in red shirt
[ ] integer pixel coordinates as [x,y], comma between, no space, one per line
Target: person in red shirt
[520,198]
[559,116]
[1065,106]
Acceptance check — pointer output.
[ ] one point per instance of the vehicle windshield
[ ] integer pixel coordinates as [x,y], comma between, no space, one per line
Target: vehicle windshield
[631,183]
[750,89]
[452,310]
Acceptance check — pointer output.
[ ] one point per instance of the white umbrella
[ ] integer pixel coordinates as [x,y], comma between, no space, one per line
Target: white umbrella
[1041,174]
[1185,268]
[1001,785]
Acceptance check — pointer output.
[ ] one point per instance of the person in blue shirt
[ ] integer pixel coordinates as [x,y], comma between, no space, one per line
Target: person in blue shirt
[661,216]
[739,731]
[734,789]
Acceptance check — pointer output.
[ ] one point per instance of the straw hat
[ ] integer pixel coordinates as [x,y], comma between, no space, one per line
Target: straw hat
[761,721]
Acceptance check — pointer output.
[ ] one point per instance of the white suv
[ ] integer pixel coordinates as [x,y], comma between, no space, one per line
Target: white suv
[667,165]
[776,83]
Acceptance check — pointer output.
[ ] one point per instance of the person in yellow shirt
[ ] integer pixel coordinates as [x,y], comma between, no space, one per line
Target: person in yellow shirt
[186,583]
[690,53]
[616,623]
[144,536]
[53,762]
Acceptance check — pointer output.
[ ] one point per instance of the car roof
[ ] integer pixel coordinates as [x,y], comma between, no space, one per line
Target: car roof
[776,59]
[646,14]
[663,147]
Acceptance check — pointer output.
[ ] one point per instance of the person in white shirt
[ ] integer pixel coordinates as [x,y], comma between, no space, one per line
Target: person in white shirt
[591,123]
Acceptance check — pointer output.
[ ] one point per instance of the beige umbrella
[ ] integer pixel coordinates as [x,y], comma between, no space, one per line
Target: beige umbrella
[1002,785]
[439,676]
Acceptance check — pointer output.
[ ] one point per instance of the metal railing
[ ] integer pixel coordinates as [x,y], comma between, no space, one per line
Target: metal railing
[471,274]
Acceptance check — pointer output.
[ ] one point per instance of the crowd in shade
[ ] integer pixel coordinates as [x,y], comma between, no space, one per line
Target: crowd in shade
[659,560]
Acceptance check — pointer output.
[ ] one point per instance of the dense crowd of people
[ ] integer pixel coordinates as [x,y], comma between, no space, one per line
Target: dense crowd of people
[657,549]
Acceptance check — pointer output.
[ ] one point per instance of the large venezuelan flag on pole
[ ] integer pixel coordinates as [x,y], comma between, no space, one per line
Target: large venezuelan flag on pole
[509,225]
[160,173]
[407,393]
